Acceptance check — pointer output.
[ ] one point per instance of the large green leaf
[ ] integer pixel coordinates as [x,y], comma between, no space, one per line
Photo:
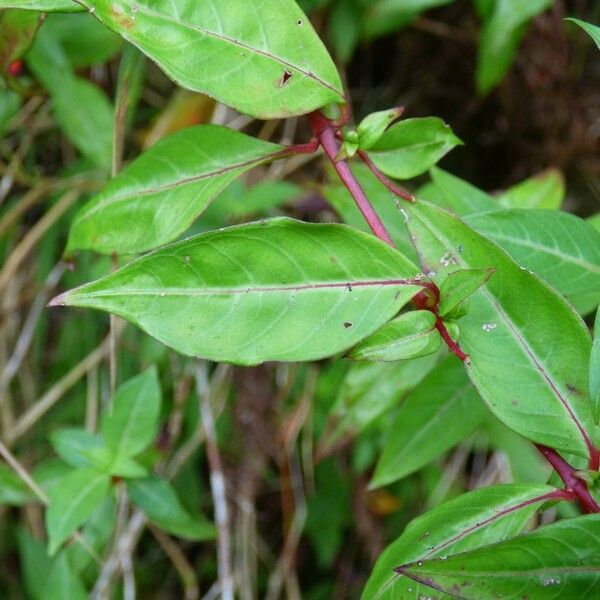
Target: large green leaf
[528,349]
[272,290]
[468,521]
[557,561]
[412,146]
[559,247]
[72,502]
[158,196]
[43,5]
[131,423]
[438,414]
[261,58]
[162,506]
[500,39]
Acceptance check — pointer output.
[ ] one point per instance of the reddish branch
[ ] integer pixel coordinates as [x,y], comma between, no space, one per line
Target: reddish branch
[325,131]
[390,185]
[429,299]
[572,483]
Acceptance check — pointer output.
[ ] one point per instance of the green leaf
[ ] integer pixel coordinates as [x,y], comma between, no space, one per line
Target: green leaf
[72,502]
[412,146]
[158,196]
[34,563]
[561,248]
[440,412]
[263,59]
[592,30]
[63,581]
[371,389]
[556,561]
[17,30]
[131,424]
[594,221]
[482,516]
[273,290]
[545,190]
[500,38]
[410,335]
[13,491]
[459,285]
[460,196]
[82,110]
[595,369]
[43,5]
[535,381]
[162,506]
[373,126]
[72,444]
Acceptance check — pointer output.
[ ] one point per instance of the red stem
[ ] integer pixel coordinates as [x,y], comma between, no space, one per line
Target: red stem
[323,129]
[390,185]
[572,483]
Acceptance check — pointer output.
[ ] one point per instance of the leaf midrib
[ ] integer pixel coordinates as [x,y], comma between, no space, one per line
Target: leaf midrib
[207,291]
[110,200]
[240,44]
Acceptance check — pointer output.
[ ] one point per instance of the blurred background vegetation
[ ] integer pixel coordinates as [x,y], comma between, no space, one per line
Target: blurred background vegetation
[298,442]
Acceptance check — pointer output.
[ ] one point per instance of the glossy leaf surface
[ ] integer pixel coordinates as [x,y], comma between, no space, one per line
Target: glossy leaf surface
[162,506]
[271,290]
[158,196]
[263,59]
[438,414]
[72,502]
[459,285]
[528,566]
[410,335]
[131,424]
[480,517]
[528,349]
[412,146]
[559,247]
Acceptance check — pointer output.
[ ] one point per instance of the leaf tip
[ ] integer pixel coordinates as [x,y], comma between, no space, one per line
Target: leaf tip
[60,300]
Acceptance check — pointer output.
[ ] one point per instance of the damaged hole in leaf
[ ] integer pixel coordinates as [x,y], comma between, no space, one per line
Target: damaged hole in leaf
[347,324]
[287,75]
